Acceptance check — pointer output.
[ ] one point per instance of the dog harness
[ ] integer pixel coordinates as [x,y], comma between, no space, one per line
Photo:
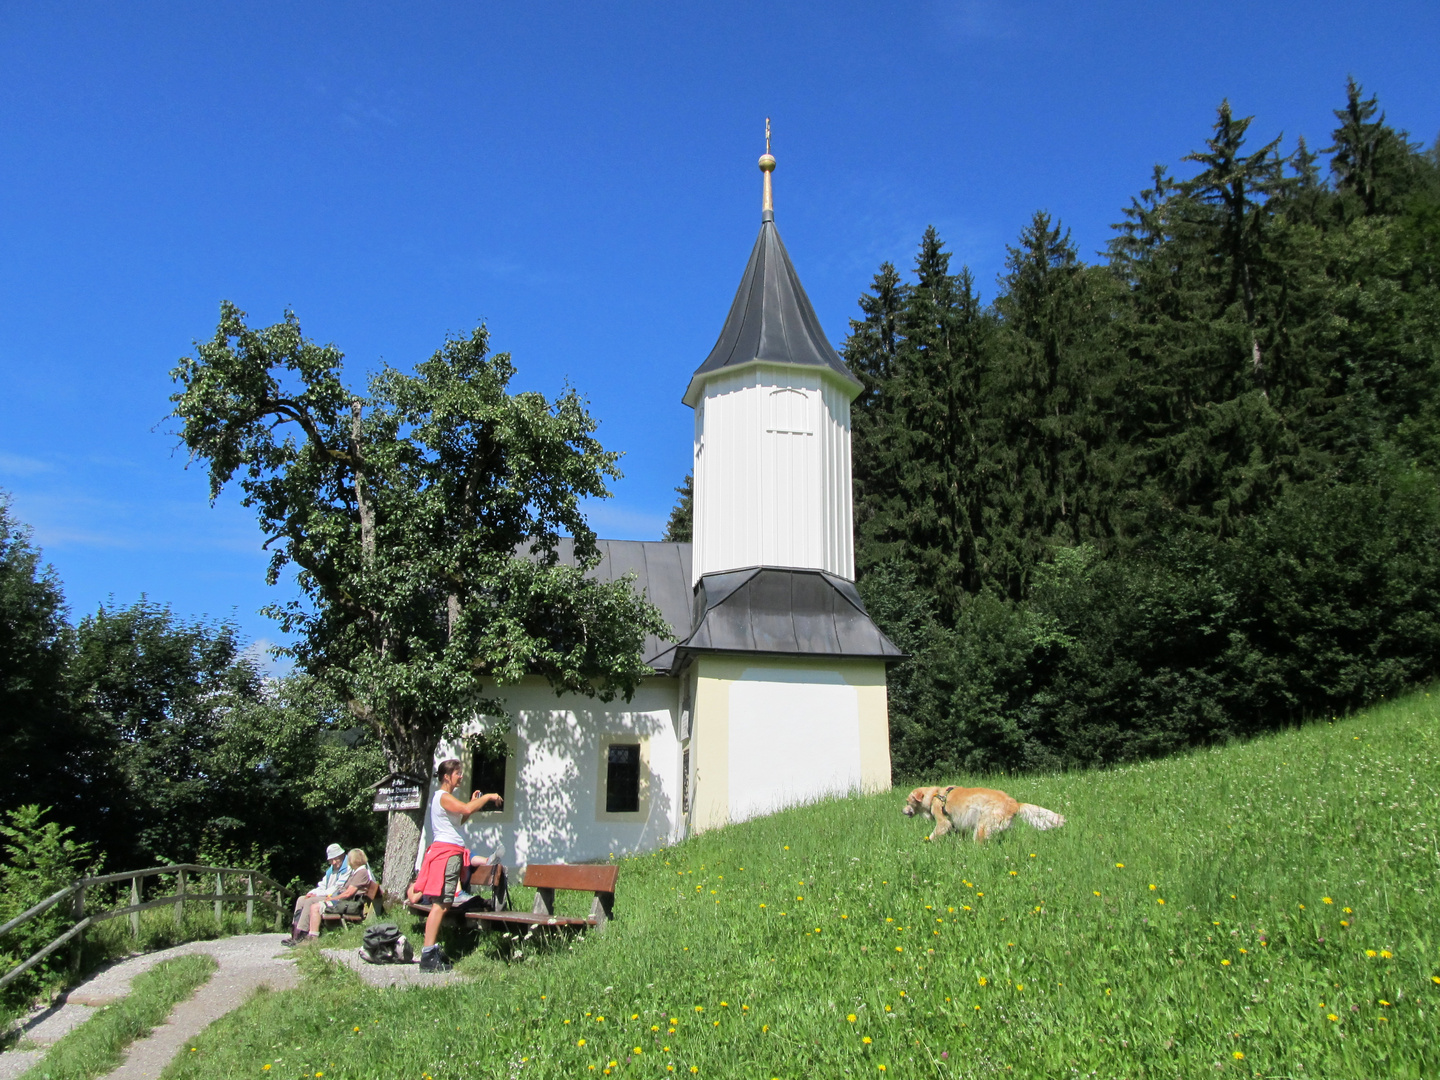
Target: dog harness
[941,796]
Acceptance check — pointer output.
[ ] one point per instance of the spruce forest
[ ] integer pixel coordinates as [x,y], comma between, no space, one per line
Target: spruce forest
[1183,493]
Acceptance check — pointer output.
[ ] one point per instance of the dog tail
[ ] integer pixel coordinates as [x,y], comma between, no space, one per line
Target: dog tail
[1040,818]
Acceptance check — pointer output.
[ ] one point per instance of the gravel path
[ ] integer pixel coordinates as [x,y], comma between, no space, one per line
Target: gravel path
[246,963]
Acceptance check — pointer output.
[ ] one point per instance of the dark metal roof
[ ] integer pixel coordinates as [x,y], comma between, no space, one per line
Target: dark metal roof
[761,609]
[766,609]
[771,319]
[662,573]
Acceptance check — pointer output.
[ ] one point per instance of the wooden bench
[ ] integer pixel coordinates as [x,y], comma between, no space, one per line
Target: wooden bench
[545,879]
[372,900]
[490,876]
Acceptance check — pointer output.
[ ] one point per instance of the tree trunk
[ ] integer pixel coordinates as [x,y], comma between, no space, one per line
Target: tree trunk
[402,845]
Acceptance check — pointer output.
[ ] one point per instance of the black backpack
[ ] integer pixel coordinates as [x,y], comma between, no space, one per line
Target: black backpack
[384,944]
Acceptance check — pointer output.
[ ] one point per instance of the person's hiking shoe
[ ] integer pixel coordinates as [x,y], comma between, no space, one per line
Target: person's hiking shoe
[289,942]
[434,960]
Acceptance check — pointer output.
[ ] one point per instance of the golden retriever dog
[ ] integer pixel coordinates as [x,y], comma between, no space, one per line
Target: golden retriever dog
[981,810]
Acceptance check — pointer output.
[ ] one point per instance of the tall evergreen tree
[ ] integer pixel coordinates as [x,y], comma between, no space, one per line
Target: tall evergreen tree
[1050,388]
[680,529]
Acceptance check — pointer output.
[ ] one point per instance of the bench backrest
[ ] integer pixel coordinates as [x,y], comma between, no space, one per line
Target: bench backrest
[485,875]
[582,878]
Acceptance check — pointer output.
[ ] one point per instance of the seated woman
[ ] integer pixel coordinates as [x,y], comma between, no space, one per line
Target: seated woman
[348,901]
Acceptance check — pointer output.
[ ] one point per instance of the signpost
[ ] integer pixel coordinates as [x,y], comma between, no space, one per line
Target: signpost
[399,791]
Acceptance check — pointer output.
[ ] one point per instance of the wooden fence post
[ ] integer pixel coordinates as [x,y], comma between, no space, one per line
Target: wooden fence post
[250,903]
[77,909]
[135,899]
[218,891]
[180,900]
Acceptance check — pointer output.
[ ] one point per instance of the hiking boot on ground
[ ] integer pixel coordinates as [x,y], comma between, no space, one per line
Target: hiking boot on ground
[434,960]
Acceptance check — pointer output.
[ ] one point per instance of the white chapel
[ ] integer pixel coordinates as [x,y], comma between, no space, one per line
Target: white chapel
[772,692]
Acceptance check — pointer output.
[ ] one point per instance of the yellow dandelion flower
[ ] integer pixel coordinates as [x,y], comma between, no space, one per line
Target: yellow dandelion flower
[1238,1056]
[1014,873]
[699,1008]
[1386,954]
[654,1027]
[851,1018]
[634,1016]
[882,1068]
[580,1042]
[866,1040]
[1153,887]
[1095,891]
[696,1068]
[1019,986]
[1245,951]
[984,981]
[899,949]
[1386,1003]
[1326,900]
[1119,866]
[1224,963]
[1347,911]
[1344,922]
[639,1050]
[1302,907]
[764,1027]
[1331,1017]
[1160,900]
[1369,952]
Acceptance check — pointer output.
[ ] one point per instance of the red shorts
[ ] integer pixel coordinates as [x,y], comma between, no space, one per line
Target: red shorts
[439,875]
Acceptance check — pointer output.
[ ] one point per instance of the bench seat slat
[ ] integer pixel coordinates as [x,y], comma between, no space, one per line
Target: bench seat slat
[527,918]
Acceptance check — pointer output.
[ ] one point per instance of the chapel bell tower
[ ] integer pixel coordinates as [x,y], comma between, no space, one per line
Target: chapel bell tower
[772,426]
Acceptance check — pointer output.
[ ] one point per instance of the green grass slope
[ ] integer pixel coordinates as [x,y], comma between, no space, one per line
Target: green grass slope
[1262,909]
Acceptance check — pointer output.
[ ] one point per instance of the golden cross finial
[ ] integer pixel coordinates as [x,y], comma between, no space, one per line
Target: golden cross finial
[767,166]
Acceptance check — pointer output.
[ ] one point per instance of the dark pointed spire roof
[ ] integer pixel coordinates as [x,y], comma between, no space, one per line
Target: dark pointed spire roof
[771,319]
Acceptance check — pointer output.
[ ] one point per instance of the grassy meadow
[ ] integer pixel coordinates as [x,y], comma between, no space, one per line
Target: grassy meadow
[1262,909]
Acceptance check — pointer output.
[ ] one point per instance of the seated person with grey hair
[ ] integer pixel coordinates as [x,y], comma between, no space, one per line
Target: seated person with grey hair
[337,877]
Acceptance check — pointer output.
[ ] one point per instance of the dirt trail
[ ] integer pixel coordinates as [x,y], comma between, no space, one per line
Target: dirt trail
[246,963]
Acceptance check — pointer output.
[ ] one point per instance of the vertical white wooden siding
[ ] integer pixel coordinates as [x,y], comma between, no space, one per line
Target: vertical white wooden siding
[772,472]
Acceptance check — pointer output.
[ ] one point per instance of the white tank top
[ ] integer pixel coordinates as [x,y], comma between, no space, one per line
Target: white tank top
[444,826]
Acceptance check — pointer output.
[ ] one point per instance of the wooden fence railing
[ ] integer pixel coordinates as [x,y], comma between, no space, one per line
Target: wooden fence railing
[76,895]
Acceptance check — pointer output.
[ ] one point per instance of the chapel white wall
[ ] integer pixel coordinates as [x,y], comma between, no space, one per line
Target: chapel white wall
[556,812]
[772,471]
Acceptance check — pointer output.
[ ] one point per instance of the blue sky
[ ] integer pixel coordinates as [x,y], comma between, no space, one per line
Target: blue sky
[580,177]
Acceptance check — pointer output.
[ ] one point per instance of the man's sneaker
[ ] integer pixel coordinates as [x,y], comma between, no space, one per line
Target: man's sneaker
[434,961]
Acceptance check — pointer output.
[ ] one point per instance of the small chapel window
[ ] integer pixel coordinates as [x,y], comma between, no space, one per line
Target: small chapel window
[488,766]
[622,779]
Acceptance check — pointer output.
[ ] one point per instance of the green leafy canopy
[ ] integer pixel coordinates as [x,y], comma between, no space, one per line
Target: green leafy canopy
[423,520]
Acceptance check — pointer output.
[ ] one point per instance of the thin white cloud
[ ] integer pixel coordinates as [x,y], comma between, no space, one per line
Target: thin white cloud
[984,20]
[20,465]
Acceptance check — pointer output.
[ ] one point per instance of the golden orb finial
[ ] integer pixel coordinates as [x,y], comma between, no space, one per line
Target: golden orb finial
[767,166]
